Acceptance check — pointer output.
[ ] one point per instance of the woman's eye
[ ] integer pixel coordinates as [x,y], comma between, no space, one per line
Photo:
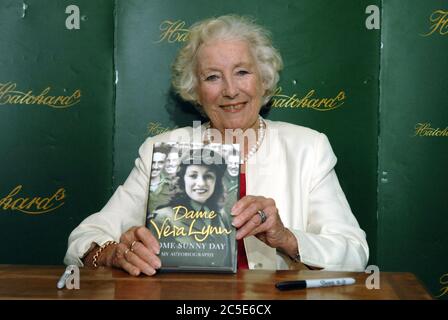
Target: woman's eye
[212,77]
[193,176]
[209,176]
[242,72]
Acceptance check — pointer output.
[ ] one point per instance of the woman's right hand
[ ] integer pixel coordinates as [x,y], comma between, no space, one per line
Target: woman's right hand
[136,253]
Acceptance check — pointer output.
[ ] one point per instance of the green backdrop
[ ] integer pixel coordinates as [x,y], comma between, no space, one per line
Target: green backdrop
[66,149]
[51,144]
[413,202]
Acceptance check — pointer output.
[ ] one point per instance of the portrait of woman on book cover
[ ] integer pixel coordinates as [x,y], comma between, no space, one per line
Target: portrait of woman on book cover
[195,219]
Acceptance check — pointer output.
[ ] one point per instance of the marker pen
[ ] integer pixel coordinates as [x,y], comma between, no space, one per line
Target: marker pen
[314,283]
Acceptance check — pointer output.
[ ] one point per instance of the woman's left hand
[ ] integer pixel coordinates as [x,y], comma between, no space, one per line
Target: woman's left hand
[248,221]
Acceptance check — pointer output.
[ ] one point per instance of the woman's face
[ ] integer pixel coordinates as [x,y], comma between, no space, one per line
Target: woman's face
[199,182]
[229,87]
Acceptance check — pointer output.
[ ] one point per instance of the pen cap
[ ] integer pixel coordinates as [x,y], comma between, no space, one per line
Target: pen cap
[291,285]
[63,278]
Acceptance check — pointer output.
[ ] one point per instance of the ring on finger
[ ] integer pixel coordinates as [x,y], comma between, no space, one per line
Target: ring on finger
[262,215]
[132,245]
[126,252]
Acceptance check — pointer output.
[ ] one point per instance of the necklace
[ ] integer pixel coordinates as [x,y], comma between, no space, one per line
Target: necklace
[255,147]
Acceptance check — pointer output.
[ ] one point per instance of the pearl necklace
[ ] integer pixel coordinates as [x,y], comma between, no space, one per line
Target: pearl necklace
[255,147]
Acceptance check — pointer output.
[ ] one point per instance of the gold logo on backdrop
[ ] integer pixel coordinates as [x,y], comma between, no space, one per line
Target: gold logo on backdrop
[155,128]
[439,23]
[425,130]
[10,95]
[173,31]
[443,281]
[280,100]
[35,205]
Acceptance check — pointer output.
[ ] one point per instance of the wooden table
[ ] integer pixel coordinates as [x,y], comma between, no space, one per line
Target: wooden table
[39,282]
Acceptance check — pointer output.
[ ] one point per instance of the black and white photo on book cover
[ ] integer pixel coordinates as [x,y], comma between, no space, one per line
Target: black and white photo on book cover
[192,190]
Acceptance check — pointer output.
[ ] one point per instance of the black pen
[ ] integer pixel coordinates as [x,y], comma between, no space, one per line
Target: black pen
[314,283]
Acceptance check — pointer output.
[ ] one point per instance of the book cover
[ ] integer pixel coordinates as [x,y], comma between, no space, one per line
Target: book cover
[192,190]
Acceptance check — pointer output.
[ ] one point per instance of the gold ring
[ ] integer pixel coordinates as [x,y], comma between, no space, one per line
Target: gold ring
[132,245]
[126,252]
[262,215]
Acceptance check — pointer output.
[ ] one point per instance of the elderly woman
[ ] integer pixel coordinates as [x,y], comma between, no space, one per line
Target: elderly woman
[292,212]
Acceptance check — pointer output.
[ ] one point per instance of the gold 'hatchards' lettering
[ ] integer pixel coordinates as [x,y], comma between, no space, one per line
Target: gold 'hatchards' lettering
[424,129]
[32,205]
[438,23]
[173,31]
[168,229]
[280,100]
[10,95]
[155,128]
[443,282]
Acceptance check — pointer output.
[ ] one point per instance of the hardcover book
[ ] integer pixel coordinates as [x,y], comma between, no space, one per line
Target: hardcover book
[192,190]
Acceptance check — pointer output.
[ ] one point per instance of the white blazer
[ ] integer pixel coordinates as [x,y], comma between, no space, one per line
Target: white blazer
[294,166]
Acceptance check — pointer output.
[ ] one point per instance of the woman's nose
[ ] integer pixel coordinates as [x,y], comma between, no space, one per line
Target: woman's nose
[230,89]
[200,181]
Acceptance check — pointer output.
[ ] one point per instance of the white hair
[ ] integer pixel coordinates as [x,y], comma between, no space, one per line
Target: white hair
[228,27]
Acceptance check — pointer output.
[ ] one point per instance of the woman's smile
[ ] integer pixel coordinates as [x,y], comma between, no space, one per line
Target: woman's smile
[233,107]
